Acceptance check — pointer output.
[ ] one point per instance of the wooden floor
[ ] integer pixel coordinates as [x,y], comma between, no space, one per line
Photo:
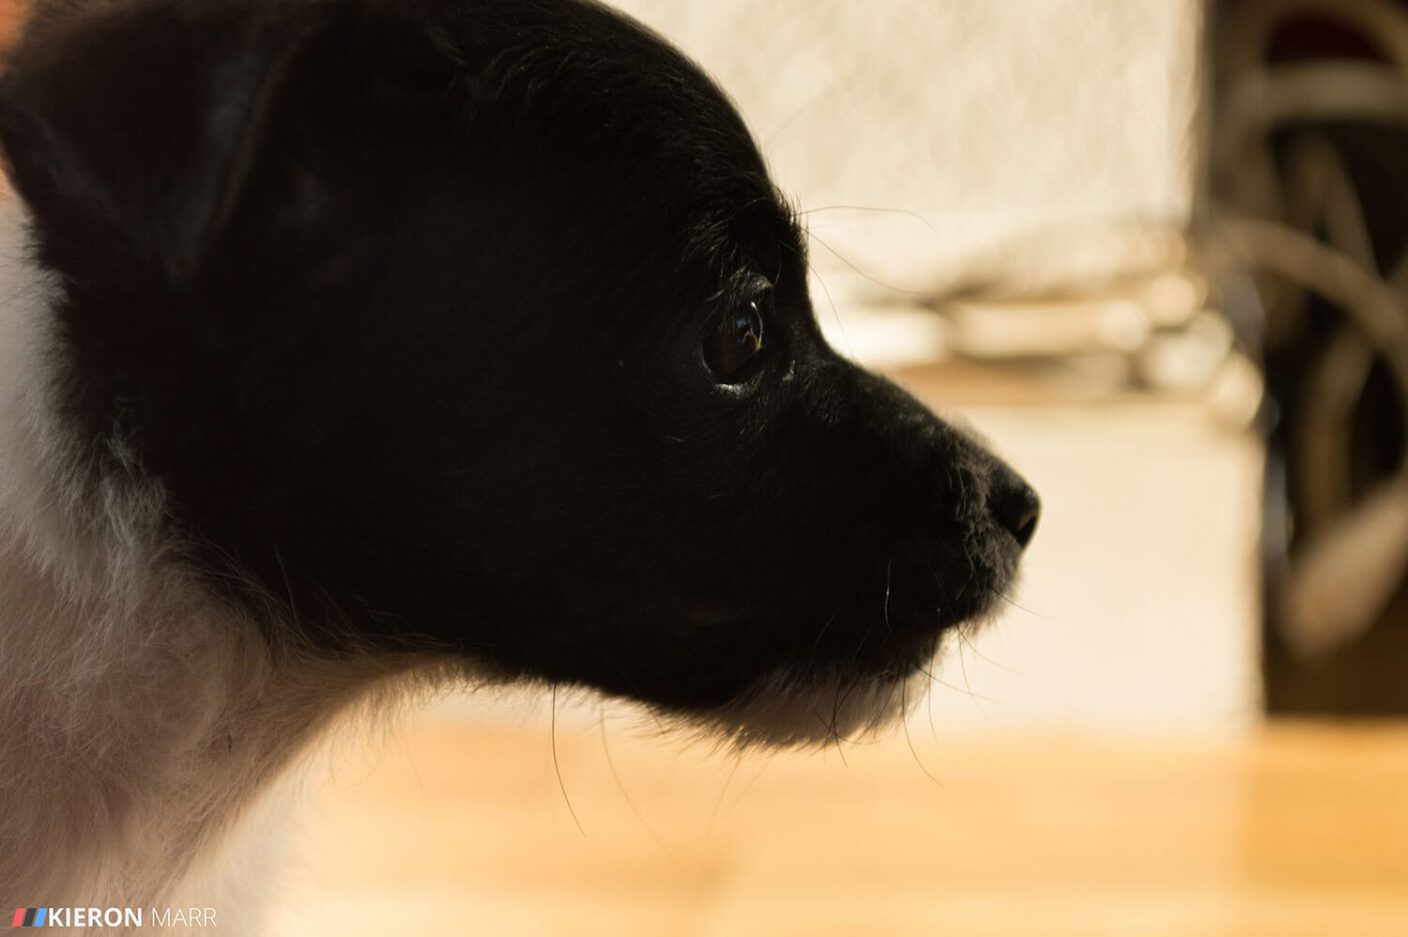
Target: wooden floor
[1301,830]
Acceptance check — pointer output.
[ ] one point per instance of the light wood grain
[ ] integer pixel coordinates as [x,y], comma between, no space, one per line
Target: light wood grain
[1299,830]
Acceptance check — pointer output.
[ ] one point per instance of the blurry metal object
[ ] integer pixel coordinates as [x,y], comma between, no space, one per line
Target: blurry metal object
[1187,358]
[1122,302]
[1272,159]
[1047,327]
[1344,577]
[1088,313]
[1119,314]
[1375,306]
[1237,393]
[1137,317]
[1342,581]
[1333,388]
[1072,261]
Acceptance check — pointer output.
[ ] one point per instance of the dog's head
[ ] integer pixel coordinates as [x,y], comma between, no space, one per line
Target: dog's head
[479,327]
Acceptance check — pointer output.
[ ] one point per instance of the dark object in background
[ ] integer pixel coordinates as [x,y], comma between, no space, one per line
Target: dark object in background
[1334,164]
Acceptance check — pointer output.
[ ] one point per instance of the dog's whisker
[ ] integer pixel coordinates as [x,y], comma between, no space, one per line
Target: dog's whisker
[962,631]
[798,112]
[939,681]
[889,568]
[835,735]
[1018,605]
[288,587]
[816,644]
[728,780]
[963,669]
[845,697]
[904,721]
[836,738]
[747,788]
[830,301]
[875,210]
[606,659]
[938,583]
[630,801]
[864,274]
[929,705]
[557,767]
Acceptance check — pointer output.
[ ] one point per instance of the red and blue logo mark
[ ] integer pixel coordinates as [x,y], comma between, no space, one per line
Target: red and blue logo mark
[30,917]
[108,917]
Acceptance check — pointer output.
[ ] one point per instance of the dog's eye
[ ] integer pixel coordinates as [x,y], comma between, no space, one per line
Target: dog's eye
[734,342]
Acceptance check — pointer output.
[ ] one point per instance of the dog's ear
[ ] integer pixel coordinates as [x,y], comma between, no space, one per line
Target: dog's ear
[135,125]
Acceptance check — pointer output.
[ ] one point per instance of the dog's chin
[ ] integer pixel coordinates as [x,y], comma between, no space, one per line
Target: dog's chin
[789,708]
[801,704]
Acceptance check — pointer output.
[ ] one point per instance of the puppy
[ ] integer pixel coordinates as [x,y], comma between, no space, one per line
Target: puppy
[358,343]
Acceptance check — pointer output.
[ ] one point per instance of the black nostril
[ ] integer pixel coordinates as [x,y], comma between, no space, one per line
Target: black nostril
[1015,505]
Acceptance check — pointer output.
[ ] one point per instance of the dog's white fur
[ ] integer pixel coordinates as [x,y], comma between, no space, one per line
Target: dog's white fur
[143,725]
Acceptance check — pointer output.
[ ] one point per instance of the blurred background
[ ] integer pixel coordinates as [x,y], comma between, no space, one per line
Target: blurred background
[1152,249]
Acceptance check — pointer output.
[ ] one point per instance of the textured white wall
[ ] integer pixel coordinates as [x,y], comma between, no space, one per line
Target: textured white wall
[987,117]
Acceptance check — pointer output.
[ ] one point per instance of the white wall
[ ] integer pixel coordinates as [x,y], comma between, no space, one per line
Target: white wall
[986,117]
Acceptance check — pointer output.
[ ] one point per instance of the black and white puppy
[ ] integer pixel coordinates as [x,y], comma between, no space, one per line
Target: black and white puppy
[352,342]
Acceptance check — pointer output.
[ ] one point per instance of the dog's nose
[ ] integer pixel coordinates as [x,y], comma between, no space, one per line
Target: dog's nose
[1014,504]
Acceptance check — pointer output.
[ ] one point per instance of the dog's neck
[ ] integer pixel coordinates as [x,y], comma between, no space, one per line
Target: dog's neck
[139,720]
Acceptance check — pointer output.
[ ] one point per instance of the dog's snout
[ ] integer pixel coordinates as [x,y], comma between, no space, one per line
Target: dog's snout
[1015,505]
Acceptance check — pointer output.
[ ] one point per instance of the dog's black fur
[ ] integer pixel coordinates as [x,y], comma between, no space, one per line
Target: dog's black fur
[436,321]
